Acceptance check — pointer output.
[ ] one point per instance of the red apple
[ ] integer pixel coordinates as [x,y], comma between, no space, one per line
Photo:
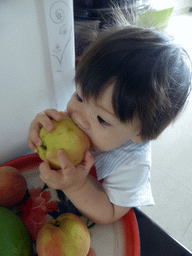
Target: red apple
[66,236]
[13,186]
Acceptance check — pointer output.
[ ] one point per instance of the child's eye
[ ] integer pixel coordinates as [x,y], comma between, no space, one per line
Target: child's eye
[102,121]
[78,97]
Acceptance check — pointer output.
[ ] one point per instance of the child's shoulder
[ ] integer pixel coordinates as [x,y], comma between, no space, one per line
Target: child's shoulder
[126,155]
[131,147]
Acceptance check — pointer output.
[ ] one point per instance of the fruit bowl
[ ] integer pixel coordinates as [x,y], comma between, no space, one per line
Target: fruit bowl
[42,204]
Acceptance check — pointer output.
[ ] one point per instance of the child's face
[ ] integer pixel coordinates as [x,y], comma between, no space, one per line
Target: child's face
[98,120]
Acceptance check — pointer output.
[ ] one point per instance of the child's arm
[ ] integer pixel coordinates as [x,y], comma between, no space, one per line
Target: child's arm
[85,192]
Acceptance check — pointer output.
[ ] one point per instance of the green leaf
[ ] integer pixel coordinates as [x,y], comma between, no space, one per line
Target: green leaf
[154,18]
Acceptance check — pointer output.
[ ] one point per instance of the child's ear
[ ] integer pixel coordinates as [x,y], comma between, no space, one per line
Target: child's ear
[137,138]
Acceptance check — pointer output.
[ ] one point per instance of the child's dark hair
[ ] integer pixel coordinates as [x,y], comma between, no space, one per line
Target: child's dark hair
[151,76]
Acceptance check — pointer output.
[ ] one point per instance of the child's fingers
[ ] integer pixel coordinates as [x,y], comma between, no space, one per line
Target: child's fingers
[33,136]
[32,146]
[33,140]
[48,175]
[66,163]
[64,113]
[69,176]
[63,160]
[89,161]
[53,114]
[44,118]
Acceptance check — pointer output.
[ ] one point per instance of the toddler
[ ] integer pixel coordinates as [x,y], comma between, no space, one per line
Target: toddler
[131,83]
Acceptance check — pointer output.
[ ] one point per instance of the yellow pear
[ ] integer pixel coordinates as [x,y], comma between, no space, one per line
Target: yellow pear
[67,136]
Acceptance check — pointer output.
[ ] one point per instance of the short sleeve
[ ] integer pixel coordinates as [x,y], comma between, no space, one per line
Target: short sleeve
[130,185]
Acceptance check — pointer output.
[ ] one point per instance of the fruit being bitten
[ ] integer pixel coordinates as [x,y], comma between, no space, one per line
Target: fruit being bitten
[66,236]
[67,136]
[13,186]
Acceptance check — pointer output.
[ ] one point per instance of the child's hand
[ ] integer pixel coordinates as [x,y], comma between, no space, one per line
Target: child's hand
[69,177]
[42,119]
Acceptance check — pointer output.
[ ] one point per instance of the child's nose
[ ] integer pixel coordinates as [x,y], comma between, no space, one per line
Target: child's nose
[81,121]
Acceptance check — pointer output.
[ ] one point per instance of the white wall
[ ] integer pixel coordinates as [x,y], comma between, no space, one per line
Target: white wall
[180,6]
[26,83]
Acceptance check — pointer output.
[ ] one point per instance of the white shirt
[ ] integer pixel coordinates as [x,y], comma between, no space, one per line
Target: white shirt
[126,174]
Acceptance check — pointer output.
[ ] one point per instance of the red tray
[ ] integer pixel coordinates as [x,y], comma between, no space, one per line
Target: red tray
[42,204]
